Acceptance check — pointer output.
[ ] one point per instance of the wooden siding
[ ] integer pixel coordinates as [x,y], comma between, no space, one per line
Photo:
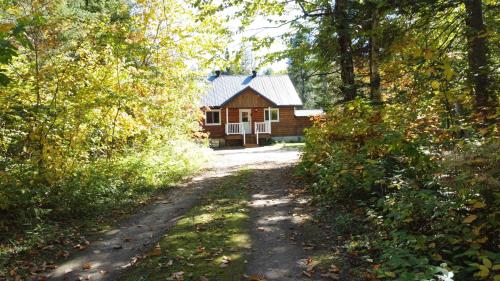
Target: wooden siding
[248,99]
[289,124]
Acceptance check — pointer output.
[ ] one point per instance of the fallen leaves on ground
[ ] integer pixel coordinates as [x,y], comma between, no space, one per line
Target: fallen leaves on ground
[86,266]
[254,278]
[225,261]
[156,251]
[176,276]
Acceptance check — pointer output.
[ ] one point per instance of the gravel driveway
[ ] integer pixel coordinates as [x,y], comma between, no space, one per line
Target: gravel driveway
[117,249]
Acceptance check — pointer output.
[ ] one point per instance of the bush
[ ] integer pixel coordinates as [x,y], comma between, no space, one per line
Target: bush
[432,200]
[101,184]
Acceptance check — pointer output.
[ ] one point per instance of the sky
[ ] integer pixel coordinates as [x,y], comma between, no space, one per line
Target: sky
[260,28]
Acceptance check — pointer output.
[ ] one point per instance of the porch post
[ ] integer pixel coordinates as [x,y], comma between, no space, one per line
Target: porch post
[269,120]
[227,120]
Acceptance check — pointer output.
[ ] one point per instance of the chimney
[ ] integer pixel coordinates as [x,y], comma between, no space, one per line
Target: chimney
[217,73]
[254,73]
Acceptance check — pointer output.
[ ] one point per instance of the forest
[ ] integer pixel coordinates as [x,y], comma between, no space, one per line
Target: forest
[98,112]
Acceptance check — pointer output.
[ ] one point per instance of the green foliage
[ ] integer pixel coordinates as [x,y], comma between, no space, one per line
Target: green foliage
[433,210]
[100,107]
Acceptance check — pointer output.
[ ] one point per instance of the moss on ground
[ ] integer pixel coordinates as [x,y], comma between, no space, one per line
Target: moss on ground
[210,241]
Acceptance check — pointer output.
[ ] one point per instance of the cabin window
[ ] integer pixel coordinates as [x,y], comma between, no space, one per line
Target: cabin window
[275,115]
[212,117]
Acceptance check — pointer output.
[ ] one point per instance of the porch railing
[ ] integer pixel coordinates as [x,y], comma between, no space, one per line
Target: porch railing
[236,129]
[262,128]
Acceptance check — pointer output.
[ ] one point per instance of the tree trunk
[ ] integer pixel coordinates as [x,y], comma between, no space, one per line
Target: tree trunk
[303,86]
[374,58]
[344,43]
[477,52]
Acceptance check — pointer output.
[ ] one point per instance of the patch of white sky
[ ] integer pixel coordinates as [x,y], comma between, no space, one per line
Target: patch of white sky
[273,26]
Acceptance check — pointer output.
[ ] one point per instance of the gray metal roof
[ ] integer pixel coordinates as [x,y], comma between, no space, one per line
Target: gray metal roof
[308,112]
[276,88]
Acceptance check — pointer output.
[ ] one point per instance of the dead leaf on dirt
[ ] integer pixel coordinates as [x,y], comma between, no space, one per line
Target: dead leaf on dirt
[13,272]
[176,276]
[203,278]
[80,247]
[310,268]
[225,261]
[156,251]
[261,229]
[334,269]
[254,278]
[86,266]
[50,266]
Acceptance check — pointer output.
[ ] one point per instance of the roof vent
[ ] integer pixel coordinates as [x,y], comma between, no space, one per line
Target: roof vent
[217,73]
[254,73]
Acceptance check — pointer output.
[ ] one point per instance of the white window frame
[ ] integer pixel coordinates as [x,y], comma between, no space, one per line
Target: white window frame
[267,109]
[213,124]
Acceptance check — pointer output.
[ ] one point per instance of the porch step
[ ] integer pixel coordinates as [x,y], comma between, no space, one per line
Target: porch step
[251,145]
[251,141]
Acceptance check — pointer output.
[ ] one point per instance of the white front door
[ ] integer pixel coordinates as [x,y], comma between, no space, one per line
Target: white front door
[246,119]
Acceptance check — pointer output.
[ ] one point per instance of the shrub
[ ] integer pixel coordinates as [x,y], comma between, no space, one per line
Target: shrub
[432,200]
[100,184]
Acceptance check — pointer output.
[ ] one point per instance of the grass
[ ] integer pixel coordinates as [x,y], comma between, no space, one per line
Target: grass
[210,241]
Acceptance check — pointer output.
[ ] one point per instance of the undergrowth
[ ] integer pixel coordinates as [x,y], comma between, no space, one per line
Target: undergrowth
[42,222]
[429,196]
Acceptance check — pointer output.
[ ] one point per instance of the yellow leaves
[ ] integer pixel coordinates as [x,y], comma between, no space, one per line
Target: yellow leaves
[435,85]
[482,240]
[448,72]
[469,219]
[484,268]
[478,205]
[6,27]
[487,263]
[437,257]
[476,230]
[483,271]
[428,54]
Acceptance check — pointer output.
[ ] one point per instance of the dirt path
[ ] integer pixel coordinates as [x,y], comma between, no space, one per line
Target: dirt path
[117,249]
[275,218]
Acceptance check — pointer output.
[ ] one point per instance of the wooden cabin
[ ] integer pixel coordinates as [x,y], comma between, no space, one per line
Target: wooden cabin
[250,110]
